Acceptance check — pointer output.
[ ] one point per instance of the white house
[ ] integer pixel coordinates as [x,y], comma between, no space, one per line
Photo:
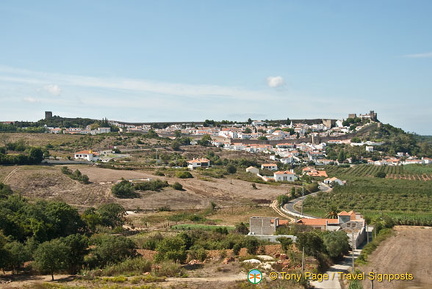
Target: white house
[198,163]
[271,167]
[87,155]
[334,180]
[284,176]
[252,170]
[369,148]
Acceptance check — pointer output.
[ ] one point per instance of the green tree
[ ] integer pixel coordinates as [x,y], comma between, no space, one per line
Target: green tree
[111,249]
[124,189]
[92,219]
[341,156]
[77,248]
[285,243]
[112,215]
[63,219]
[251,244]
[177,133]
[241,229]
[311,242]
[4,256]
[231,169]
[205,140]
[5,191]
[380,174]
[175,145]
[18,254]
[336,243]
[332,213]
[171,248]
[35,155]
[51,257]
[282,199]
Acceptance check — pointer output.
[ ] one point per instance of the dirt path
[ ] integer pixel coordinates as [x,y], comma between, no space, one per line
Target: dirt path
[226,278]
[274,205]
[6,179]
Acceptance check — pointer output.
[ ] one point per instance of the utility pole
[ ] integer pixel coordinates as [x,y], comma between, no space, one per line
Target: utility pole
[303,260]
[302,200]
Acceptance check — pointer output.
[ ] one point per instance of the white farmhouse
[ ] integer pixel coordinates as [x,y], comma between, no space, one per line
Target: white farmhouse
[198,163]
[87,155]
[332,181]
[252,170]
[271,167]
[284,176]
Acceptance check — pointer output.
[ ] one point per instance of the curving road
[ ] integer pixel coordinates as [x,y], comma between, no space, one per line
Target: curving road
[288,208]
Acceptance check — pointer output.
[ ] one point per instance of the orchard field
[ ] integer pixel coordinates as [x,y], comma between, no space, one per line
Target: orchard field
[407,198]
[407,172]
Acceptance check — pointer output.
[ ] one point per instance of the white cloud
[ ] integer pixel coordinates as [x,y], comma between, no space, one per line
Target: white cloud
[53,89]
[140,86]
[275,81]
[30,99]
[420,55]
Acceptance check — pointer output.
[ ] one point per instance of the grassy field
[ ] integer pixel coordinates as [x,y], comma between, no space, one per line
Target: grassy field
[200,227]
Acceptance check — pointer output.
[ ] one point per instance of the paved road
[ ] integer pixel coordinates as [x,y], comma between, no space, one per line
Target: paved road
[289,207]
[334,274]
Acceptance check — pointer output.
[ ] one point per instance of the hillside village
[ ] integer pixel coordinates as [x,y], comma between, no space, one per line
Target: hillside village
[286,144]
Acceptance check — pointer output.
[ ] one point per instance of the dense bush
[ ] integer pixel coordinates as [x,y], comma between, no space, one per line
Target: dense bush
[76,175]
[152,185]
[184,175]
[124,189]
[111,249]
[33,156]
[177,186]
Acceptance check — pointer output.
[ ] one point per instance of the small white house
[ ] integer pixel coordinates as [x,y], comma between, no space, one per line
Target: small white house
[369,148]
[334,180]
[87,155]
[252,170]
[271,167]
[198,163]
[284,176]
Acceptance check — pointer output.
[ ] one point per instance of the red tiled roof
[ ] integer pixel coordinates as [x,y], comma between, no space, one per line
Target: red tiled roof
[317,222]
[284,173]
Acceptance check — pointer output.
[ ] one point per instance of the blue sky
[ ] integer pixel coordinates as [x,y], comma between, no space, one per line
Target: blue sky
[138,60]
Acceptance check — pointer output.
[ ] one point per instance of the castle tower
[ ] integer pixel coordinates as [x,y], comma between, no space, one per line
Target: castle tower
[48,114]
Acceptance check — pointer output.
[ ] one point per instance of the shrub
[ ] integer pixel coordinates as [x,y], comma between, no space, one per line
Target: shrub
[197,253]
[168,269]
[184,175]
[124,189]
[177,186]
[131,266]
[231,169]
[381,175]
[159,173]
[76,175]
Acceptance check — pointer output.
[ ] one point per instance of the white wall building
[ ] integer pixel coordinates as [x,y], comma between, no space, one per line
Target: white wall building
[284,176]
[87,155]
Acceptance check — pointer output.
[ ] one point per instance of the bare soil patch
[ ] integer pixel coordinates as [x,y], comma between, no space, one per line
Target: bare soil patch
[409,251]
[47,182]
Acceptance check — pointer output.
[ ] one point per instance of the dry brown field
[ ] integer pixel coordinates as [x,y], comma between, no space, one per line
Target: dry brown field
[408,251]
[47,182]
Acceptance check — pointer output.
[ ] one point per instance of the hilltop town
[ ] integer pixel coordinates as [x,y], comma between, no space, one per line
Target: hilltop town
[288,142]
